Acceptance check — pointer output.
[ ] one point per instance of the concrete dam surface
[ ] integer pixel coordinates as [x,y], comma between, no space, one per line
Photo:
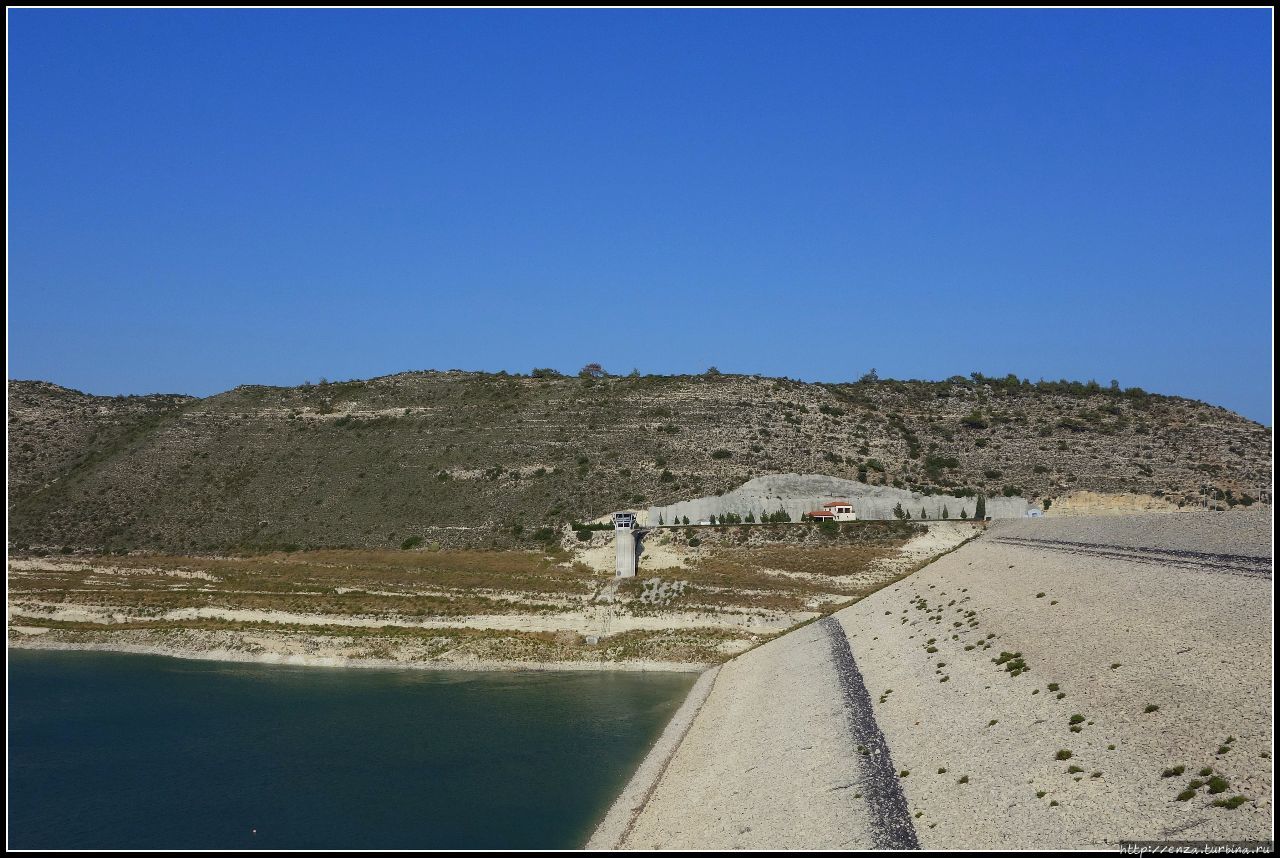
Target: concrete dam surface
[801,493]
[1053,684]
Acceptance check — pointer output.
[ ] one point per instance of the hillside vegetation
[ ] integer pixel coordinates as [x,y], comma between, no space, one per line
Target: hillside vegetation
[467,459]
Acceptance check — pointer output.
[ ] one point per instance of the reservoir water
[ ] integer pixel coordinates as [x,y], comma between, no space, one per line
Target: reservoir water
[129,751]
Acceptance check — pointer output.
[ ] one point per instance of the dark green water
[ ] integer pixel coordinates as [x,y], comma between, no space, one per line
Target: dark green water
[128,751]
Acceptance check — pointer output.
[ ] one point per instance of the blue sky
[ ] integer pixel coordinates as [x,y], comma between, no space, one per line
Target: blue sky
[200,199]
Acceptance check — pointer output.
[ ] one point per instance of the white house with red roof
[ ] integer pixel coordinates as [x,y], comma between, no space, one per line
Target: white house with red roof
[840,510]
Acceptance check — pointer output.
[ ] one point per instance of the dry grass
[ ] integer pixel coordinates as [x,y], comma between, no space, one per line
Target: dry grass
[836,561]
[532,571]
[441,583]
[692,646]
[329,585]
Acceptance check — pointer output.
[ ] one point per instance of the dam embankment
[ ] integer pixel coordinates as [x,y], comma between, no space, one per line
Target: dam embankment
[1018,692]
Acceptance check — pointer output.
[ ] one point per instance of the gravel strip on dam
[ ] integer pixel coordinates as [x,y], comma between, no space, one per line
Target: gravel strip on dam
[891,821]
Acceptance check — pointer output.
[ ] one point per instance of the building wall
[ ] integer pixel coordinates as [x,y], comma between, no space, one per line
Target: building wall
[625,540]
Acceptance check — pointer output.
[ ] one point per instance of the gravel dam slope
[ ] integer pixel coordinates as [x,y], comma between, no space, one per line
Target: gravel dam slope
[1057,683]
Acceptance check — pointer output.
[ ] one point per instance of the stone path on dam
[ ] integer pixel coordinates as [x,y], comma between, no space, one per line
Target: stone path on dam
[1005,696]
[768,762]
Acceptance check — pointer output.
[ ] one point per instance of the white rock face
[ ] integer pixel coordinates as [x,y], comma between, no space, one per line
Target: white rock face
[801,493]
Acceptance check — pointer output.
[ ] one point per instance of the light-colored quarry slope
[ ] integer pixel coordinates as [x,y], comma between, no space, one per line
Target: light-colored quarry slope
[769,761]
[802,493]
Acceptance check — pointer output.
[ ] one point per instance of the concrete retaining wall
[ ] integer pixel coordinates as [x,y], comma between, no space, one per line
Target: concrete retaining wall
[801,493]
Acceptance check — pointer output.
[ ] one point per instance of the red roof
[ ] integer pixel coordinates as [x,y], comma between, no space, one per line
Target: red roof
[822,513]
[836,503]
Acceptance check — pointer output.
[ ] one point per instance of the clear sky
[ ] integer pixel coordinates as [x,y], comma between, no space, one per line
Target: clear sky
[200,199]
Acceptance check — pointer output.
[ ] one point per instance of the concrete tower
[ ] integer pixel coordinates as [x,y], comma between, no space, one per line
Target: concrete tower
[624,537]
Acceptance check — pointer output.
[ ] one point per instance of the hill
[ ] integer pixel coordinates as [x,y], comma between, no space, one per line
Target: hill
[475,459]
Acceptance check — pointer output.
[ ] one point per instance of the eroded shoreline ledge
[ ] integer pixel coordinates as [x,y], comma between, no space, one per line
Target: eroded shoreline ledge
[700,600]
[33,642]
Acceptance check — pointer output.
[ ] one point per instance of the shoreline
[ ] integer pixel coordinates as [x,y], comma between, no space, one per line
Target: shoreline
[612,830]
[303,660]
